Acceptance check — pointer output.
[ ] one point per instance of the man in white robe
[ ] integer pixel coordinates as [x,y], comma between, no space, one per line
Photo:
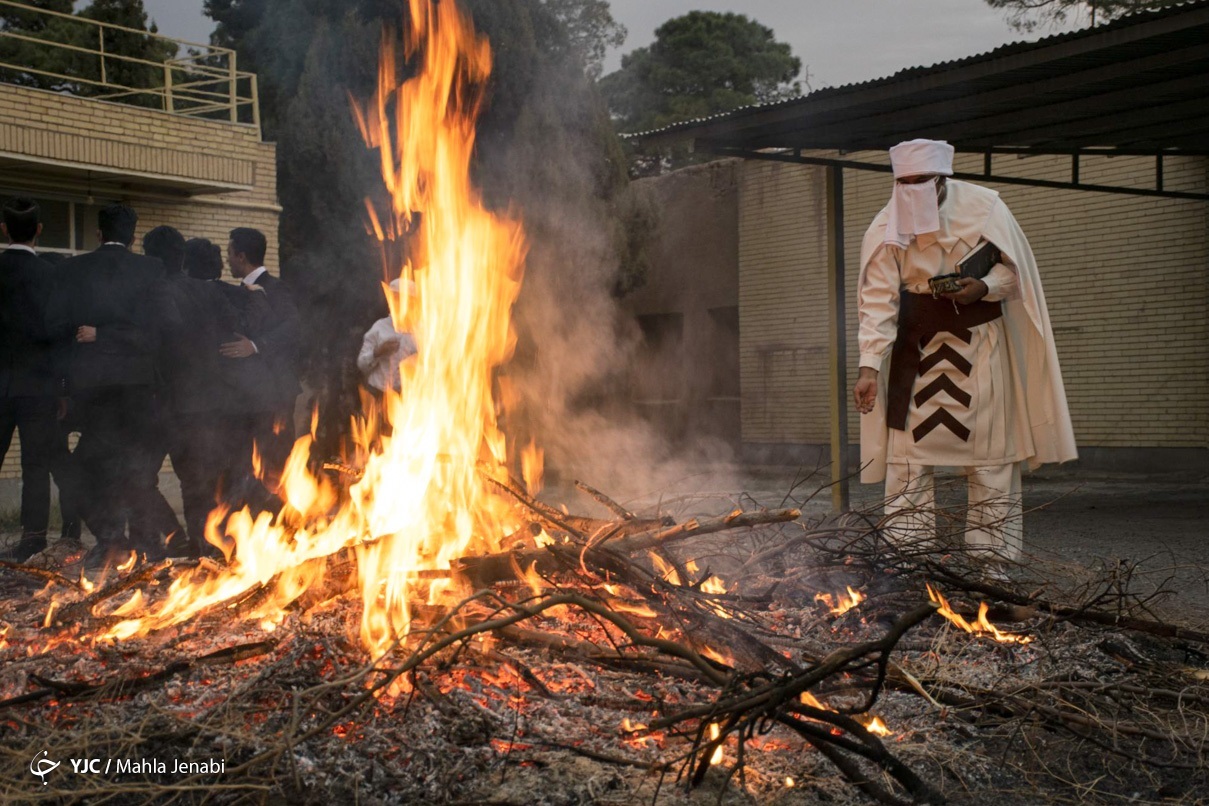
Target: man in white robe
[969,379]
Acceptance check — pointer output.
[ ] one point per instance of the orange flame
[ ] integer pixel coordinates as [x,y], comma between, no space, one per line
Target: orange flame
[532,466]
[877,727]
[717,757]
[665,569]
[839,604]
[809,699]
[422,499]
[129,562]
[982,626]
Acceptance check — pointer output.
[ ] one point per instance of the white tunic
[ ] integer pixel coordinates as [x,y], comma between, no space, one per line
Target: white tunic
[978,425]
[1017,407]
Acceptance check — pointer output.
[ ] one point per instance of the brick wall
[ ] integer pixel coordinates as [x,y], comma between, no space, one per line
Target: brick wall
[56,131]
[1126,278]
[693,274]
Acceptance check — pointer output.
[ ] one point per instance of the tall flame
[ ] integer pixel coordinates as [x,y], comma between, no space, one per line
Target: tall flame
[424,490]
[422,499]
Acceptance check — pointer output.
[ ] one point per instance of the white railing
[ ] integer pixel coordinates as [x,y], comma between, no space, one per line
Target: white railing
[205,82]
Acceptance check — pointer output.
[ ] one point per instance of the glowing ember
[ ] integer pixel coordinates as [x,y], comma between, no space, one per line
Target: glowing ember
[982,626]
[422,499]
[840,603]
[788,783]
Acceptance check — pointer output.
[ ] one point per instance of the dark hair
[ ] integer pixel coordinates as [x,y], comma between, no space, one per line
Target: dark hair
[167,244]
[117,222]
[250,243]
[203,259]
[21,219]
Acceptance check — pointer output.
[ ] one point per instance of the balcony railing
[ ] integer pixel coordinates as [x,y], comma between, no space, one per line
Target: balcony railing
[84,57]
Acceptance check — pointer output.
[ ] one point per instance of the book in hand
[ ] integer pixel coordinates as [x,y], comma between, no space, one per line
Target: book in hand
[980,260]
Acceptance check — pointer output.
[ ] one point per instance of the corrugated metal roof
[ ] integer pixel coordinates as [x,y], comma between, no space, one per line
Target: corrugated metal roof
[1138,84]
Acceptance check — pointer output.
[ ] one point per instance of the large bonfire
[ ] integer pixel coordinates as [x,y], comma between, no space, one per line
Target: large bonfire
[585,657]
[424,498]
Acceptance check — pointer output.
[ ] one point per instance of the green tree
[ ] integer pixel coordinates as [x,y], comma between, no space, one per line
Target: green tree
[21,53]
[78,69]
[545,145]
[700,64]
[1028,15]
[141,46]
[590,30]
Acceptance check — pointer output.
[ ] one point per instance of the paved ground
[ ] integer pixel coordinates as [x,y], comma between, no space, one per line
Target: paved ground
[1160,521]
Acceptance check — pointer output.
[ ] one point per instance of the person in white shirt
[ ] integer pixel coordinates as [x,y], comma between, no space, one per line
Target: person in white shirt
[384,349]
[967,379]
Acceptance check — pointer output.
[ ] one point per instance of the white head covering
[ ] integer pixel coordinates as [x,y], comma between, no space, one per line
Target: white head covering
[915,209]
[397,287]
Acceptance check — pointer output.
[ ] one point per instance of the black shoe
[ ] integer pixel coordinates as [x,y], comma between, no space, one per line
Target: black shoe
[178,544]
[103,554]
[26,547]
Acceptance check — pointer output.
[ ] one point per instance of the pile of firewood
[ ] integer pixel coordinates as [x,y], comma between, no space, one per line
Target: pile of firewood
[754,655]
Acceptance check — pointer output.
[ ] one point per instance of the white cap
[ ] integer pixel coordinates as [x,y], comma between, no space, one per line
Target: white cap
[915,157]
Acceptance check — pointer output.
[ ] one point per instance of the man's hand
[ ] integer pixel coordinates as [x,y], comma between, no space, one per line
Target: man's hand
[242,347]
[865,391]
[386,348]
[971,291]
[86,334]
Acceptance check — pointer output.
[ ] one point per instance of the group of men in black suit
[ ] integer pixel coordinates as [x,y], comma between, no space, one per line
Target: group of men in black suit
[146,356]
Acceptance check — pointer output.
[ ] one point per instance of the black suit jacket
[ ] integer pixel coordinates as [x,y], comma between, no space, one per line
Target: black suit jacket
[122,295]
[27,358]
[268,380]
[198,379]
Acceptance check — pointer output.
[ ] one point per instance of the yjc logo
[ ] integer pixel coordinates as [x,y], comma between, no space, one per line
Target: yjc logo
[43,766]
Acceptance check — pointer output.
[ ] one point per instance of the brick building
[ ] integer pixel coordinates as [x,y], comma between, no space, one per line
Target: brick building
[196,163]
[1097,142]
[1126,280]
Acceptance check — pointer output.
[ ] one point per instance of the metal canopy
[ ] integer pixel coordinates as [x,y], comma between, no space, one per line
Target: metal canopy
[1139,85]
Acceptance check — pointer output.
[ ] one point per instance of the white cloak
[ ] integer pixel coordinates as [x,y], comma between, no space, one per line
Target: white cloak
[972,212]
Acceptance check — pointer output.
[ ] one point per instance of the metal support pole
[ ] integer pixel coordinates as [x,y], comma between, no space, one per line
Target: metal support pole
[101,37]
[233,86]
[839,339]
[255,102]
[169,101]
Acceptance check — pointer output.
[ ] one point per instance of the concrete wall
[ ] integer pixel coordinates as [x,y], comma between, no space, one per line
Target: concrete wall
[1126,278]
[687,376]
[156,157]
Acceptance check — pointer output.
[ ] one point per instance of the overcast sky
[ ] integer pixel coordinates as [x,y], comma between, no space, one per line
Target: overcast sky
[840,41]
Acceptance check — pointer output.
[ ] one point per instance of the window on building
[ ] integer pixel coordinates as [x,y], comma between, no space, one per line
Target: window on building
[660,359]
[69,225]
